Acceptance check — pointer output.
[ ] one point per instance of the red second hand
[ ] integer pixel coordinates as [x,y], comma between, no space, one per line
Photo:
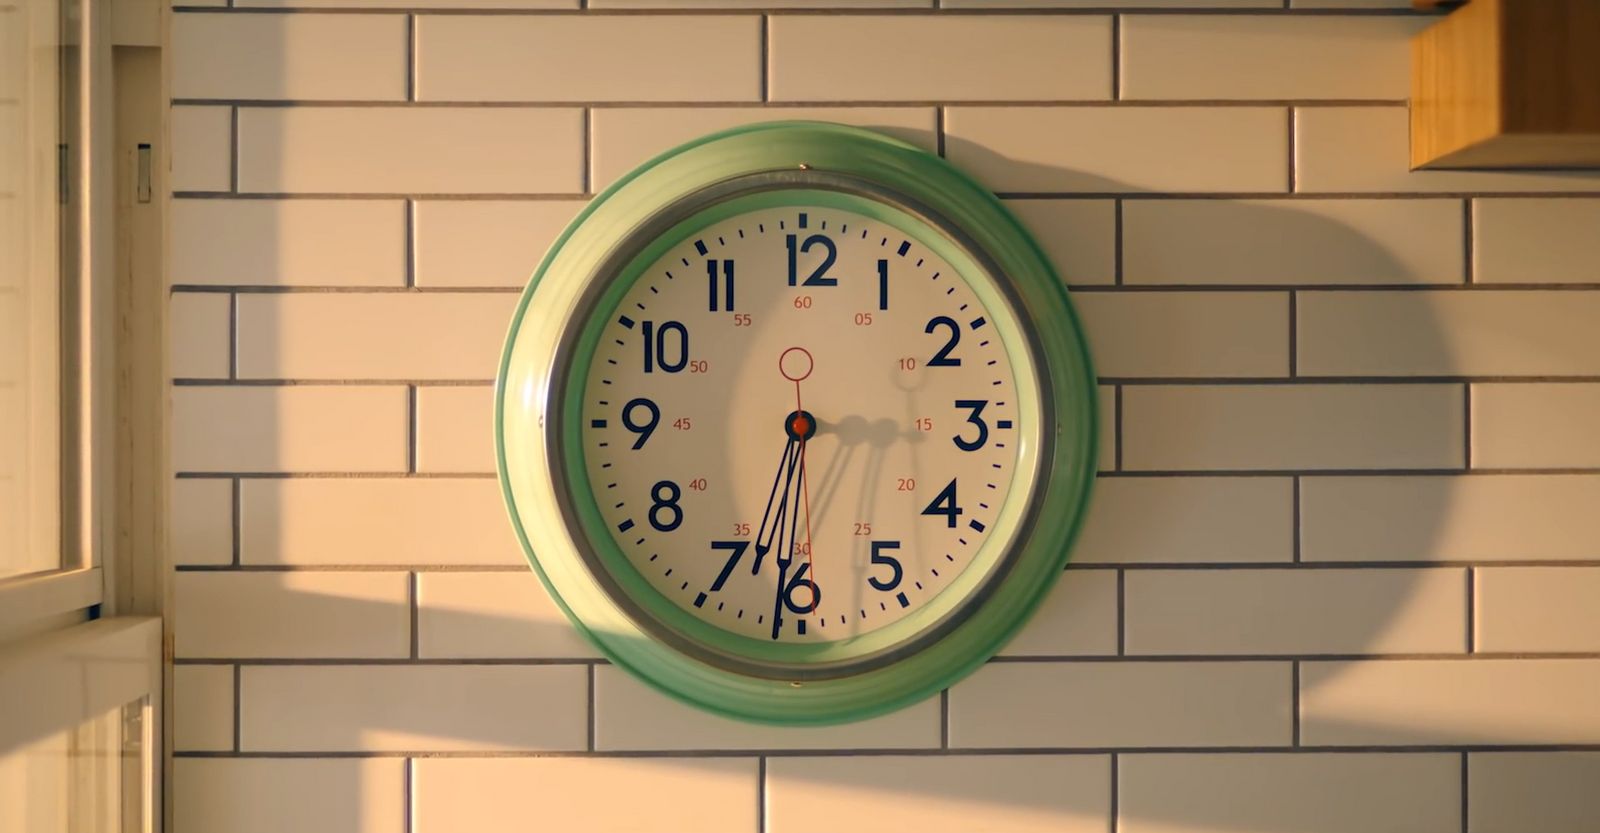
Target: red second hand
[805,491]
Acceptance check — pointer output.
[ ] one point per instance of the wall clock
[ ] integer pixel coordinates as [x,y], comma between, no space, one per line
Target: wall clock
[796,423]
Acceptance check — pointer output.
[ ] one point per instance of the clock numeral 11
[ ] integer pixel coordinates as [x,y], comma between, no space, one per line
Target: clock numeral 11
[727,291]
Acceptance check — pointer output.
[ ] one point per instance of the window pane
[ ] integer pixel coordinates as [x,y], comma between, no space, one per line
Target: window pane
[89,779]
[32,150]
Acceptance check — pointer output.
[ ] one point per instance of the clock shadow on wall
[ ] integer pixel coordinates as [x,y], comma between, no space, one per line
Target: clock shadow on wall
[440,724]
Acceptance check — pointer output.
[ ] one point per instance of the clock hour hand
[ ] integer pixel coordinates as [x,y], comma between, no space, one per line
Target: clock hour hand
[785,555]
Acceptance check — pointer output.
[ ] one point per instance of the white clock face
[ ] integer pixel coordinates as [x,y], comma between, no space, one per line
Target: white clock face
[801,424]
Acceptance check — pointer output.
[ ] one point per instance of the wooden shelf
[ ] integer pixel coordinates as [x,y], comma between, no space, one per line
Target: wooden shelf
[1508,84]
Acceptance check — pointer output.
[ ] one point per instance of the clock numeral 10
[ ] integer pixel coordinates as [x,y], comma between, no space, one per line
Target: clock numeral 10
[661,342]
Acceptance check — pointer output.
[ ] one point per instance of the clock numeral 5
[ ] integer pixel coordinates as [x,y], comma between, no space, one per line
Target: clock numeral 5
[895,571]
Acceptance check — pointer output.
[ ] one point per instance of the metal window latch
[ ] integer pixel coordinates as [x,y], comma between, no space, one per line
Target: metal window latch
[142,187]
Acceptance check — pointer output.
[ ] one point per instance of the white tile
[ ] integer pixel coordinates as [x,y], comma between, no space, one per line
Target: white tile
[1121,149]
[288,242]
[296,428]
[199,335]
[1278,57]
[263,795]
[1187,335]
[291,615]
[1366,149]
[1448,518]
[1079,236]
[389,335]
[1513,792]
[587,58]
[202,148]
[494,615]
[202,708]
[594,795]
[1168,520]
[1537,609]
[1536,241]
[1293,241]
[631,716]
[940,794]
[1479,702]
[939,58]
[1077,618]
[376,521]
[331,57]
[1306,793]
[624,137]
[417,150]
[1281,427]
[453,429]
[1296,611]
[200,522]
[1029,705]
[393,708]
[475,243]
[1535,426]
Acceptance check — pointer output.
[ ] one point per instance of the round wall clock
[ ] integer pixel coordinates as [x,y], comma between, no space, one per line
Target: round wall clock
[796,423]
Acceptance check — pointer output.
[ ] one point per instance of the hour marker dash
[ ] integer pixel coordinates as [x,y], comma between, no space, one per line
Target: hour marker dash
[919,261]
[625,321]
[984,343]
[824,225]
[700,246]
[611,485]
[781,225]
[884,242]
[685,586]
[918,584]
[605,445]
[620,342]
[597,423]
[741,234]
[619,505]
[668,572]
[949,557]
[905,246]
[800,626]
[901,598]
[844,228]
[936,275]
[655,291]
[802,219]
[950,291]
[685,261]
[978,322]
[975,525]
[700,600]
[671,277]
[964,307]
[611,361]
[721,242]
[625,525]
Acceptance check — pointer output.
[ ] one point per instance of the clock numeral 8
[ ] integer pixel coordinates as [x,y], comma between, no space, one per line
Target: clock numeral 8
[665,505]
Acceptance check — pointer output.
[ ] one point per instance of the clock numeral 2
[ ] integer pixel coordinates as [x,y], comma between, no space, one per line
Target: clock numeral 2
[727,274]
[942,358]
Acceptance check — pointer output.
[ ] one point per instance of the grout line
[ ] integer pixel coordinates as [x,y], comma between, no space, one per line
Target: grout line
[1294,179]
[1466,791]
[1165,566]
[1116,243]
[1116,57]
[1294,702]
[1122,613]
[1116,795]
[761,794]
[233,148]
[588,150]
[410,244]
[1294,333]
[590,736]
[411,57]
[757,103]
[1472,610]
[688,9]
[1295,522]
[939,130]
[238,707]
[413,606]
[408,823]
[944,719]
[766,58]
[236,507]
[1468,267]
[1466,425]
[1065,196]
[1105,473]
[233,336]
[411,429]
[1116,458]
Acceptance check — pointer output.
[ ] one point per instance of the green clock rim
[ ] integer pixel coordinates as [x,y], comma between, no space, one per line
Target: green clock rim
[1061,358]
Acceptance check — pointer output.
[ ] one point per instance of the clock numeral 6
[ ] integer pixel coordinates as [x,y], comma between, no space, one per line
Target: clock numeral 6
[797,581]
[664,496]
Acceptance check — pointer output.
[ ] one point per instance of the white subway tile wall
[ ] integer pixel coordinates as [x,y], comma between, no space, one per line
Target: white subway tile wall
[1343,549]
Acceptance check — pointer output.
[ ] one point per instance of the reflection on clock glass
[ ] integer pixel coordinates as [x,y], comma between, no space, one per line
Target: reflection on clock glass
[800,424]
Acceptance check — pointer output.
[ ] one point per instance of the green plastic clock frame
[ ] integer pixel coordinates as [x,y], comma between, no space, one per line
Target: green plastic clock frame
[540,459]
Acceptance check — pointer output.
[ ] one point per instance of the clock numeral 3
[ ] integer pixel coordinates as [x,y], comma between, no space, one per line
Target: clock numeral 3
[976,418]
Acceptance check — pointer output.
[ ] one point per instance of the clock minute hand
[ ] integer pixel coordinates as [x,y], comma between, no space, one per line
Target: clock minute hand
[765,534]
[786,549]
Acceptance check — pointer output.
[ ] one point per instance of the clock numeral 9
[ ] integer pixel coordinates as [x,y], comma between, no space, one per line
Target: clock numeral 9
[895,571]
[819,277]
[643,429]
[664,501]
[657,340]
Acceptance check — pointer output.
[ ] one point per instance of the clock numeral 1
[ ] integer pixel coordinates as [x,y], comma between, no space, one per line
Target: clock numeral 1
[883,284]
[727,274]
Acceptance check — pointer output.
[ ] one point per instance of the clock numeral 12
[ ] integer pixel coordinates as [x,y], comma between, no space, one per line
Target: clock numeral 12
[819,276]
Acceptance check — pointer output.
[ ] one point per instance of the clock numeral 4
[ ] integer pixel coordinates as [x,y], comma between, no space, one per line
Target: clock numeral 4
[945,504]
